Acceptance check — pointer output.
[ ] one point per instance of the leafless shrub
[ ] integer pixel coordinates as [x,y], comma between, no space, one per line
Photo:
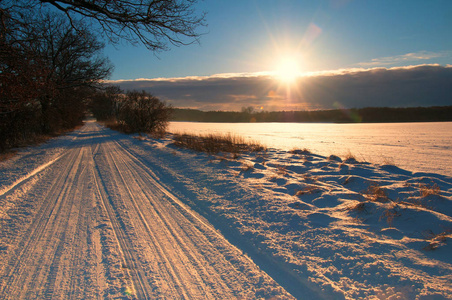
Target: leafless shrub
[143,113]
[103,102]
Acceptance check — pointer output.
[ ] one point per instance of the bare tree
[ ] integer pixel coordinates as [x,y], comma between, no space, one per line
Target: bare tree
[20,85]
[50,63]
[153,23]
[103,102]
[47,70]
[73,60]
[73,57]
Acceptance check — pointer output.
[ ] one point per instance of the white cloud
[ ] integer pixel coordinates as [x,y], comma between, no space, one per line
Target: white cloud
[405,58]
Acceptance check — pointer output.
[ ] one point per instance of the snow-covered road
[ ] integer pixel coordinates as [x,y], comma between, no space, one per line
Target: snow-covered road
[92,221]
[97,214]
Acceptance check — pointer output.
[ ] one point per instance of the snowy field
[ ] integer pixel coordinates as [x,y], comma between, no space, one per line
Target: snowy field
[376,143]
[102,215]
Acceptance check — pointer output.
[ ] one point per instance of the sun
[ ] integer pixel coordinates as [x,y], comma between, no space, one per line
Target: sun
[288,69]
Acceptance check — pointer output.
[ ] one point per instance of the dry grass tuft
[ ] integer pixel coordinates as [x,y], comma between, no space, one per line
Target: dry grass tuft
[300,151]
[391,213]
[437,240]
[376,193]
[7,155]
[388,161]
[309,177]
[347,180]
[281,170]
[333,157]
[247,167]
[360,207]
[139,137]
[215,143]
[307,190]
[427,190]
[349,158]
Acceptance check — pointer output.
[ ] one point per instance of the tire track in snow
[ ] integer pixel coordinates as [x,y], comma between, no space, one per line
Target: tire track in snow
[181,207]
[202,228]
[72,241]
[97,203]
[35,263]
[8,189]
[18,182]
[171,275]
[139,286]
[159,253]
[53,255]
[174,199]
[154,215]
[295,283]
[194,259]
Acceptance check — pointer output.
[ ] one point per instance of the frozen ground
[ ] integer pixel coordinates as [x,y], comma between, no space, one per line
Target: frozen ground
[102,215]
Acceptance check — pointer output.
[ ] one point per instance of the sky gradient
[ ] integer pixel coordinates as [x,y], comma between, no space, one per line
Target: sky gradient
[247,41]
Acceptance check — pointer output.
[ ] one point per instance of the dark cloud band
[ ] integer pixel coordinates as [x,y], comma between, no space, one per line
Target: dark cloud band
[423,85]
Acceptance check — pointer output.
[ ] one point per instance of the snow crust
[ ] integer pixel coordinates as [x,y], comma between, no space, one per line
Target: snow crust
[316,227]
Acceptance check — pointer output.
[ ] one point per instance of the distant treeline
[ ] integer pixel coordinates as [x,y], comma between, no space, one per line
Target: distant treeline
[361,115]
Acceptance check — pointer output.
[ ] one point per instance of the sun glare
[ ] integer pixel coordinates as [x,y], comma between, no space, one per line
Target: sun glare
[288,69]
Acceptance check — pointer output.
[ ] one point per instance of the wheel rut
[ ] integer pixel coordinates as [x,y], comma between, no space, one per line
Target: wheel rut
[96,223]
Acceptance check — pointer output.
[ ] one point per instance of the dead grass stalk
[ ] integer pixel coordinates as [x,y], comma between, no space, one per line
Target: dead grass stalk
[215,143]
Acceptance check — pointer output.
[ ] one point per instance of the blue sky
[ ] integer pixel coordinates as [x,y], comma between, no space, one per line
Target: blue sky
[250,36]
[247,35]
